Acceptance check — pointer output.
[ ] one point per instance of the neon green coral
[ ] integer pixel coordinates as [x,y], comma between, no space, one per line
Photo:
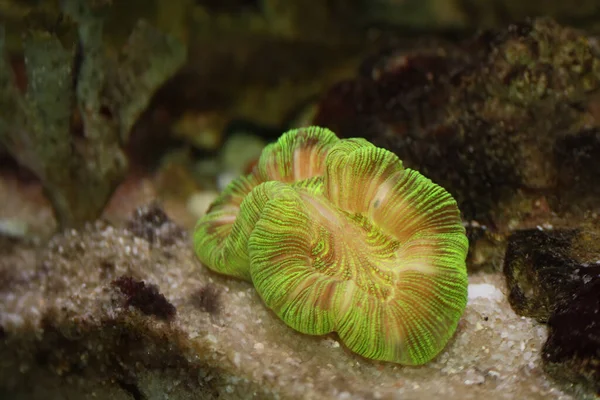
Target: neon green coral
[220,237]
[356,245]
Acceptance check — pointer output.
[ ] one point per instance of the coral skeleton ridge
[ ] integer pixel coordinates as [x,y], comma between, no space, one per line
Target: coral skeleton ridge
[337,236]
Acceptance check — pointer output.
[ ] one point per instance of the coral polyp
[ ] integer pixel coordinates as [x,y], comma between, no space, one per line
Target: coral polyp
[220,238]
[364,247]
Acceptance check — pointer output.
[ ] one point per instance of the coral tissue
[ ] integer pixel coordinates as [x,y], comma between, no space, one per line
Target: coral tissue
[337,236]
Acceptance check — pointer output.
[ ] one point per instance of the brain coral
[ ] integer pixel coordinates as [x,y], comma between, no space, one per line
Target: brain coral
[352,243]
[220,238]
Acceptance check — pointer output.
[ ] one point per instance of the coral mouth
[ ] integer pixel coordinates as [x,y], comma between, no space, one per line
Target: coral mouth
[348,247]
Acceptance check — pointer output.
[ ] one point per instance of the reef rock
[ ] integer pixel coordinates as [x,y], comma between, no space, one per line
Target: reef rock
[500,120]
[572,351]
[554,276]
[540,272]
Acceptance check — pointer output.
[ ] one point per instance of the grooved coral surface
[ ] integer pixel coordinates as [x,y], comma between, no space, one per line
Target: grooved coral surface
[336,236]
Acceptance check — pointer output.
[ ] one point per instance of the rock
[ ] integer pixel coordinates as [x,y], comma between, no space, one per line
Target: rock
[539,271]
[572,351]
[58,128]
[544,269]
[554,276]
[493,120]
[68,328]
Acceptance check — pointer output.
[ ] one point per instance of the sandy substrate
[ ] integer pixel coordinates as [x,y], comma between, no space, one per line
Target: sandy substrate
[67,329]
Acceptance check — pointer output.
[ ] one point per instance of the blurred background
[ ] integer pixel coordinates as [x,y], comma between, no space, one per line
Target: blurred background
[109,103]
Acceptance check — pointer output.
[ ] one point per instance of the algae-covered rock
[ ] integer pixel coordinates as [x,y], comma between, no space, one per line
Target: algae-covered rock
[572,351]
[70,122]
[554,277]
[502,117]
[542,270]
